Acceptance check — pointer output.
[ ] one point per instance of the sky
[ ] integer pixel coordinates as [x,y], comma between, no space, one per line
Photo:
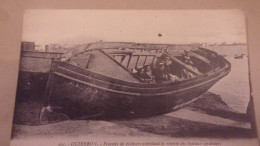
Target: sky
[142,26]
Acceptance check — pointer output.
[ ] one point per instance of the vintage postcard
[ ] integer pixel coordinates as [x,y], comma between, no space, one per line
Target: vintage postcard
[134,78]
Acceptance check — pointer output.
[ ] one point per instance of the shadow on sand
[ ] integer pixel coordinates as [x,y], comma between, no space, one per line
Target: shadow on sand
[176,127]
[26,113]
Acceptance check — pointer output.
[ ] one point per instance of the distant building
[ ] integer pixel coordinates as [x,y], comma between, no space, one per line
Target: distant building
[28,46]
[47,48]
[61,47]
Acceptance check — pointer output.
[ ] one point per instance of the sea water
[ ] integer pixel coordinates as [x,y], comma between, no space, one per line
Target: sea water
[234,89]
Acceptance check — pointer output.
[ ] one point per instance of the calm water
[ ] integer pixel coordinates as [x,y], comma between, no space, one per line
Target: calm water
[234,88]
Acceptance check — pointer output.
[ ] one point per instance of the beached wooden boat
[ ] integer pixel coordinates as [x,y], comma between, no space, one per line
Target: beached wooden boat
[98,81]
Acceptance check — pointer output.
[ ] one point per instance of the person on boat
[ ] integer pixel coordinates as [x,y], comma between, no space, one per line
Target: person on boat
[187,74]
[186,57]
[171,70]
[163,75]
[141,74]
[149,77]
[159,73]
[145,73]
[187,60]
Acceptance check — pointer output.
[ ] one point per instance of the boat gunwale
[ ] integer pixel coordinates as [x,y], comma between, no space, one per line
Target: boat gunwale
[217,74]
[177,85]
[141,94]
[102,77]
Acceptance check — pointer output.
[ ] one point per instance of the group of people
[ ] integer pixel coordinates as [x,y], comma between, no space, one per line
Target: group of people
[164,70]
[145,73]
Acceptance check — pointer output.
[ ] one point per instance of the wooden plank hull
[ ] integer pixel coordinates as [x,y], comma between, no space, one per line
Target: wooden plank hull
[78,94]
[78,100]
[73,92]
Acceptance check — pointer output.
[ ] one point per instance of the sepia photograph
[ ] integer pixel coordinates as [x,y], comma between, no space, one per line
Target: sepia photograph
[133,78]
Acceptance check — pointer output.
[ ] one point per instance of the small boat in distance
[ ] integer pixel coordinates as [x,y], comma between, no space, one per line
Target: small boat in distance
[99,80]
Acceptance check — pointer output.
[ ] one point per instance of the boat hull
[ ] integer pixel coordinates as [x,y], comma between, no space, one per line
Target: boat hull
[78,96]
[77,100]
[73,92]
